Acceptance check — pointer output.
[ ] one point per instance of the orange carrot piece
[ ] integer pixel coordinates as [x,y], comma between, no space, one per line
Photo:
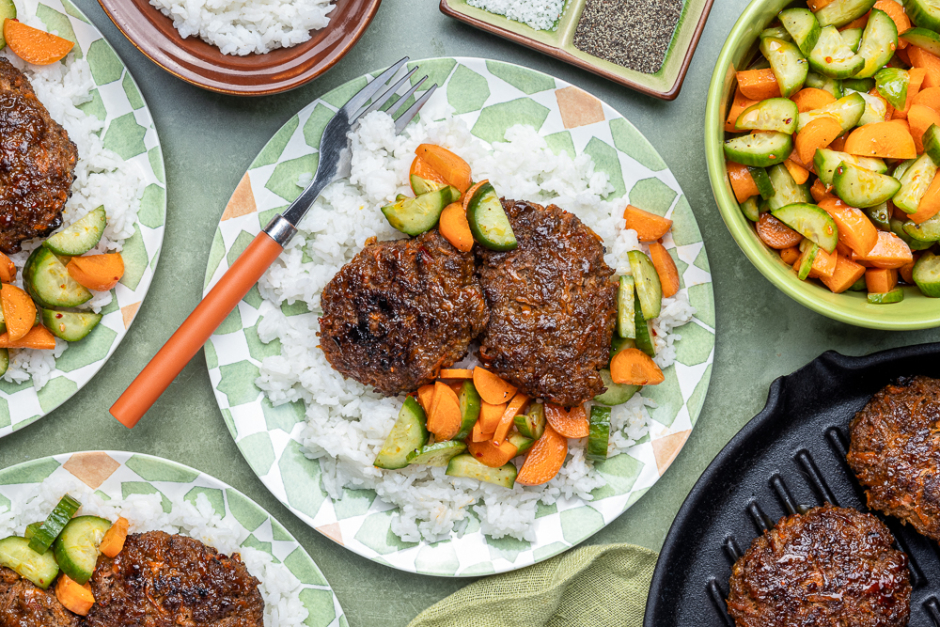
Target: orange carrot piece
[790,255]
[634,367]
[665,268]
[492,454]
[492,389]
[890,252]
[426,397]
[97,272]
[824,264]
[907,270]
[39,337]
[810,98]
[798,172]
[929,97]
[742,183]
[455,228]
[846,274]
[775,233]
[896,12]
[113,541]
[515,407]
[916,79]
[815,5]
[855,228]
[479,435]
[544,459]
[881,280]
[422,169]
[452,168]
[469,194]
[758,84]
[571,423]
[19,311]
[920,117]
[73,596]
[444,419]
[33,45]
[7,269]
[817,134]
[888,140]
[649,227]
[929,205]
[490,416]
[738,105]
[819,190]
[455,373]
[920,58]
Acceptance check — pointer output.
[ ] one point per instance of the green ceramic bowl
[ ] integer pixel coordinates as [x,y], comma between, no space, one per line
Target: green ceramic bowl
[916,311]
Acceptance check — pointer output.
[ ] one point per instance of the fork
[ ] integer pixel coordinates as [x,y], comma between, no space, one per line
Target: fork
[334,163]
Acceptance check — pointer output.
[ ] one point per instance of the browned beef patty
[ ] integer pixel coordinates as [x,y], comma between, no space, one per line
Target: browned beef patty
[400,311]
[895,452]
[160,580]
[37,160]
[22,604]
[829,567]
[552,306]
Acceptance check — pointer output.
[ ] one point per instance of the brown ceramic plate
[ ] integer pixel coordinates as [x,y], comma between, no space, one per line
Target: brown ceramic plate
[204,65]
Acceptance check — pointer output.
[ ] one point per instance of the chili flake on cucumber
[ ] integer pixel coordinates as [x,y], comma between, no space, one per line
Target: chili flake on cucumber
[854,195]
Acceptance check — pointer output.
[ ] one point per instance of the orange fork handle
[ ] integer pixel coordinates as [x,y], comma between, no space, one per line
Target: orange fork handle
[196,330]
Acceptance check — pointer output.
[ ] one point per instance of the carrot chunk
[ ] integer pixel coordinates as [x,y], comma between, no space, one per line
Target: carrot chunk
[881,280]
[544,459]
[649,227]
[888,140]
[490,415]
[422,169]
[775,233]
[930,63]
[455,373]
[19,311]
[665,268]
[479,435]
[426,397]
[452,168]
[73,596]
[896,12]
[444,418]
[113,541]
[920,117]
[819,190]
[799,173]
[810,98]
[39,337]
[571,423]
[758,84]
[929,97]
[492,389]
[890,252]
[738,105]
[916,79]
[790,255]
[455,228]
[930,204]
[515,407]
[817,134]
[846,274]
[634,367]
[855,228]
[741,181]
[97,272]
[7,269]
[492,454]
[33,45]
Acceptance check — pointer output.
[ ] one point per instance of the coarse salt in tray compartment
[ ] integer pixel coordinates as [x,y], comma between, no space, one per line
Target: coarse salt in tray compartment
[585,33]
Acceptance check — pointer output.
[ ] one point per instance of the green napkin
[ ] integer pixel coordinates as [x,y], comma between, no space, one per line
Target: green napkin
[594,586]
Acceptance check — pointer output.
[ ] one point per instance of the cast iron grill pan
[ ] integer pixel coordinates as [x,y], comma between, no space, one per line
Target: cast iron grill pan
[788,458]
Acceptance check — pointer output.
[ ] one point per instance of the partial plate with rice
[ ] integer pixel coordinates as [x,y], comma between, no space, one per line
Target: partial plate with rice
[222,47]
[157,495]
[119,167]
[535,138]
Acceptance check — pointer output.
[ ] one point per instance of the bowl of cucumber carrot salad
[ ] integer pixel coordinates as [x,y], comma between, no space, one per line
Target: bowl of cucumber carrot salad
[823,147]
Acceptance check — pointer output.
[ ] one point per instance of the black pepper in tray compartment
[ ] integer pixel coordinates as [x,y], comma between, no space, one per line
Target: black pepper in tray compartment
[635,34]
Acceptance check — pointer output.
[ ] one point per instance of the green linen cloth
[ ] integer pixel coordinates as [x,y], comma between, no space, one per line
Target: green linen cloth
[593,586]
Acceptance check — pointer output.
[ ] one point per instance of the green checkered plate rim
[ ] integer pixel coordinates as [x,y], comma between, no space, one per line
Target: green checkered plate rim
[490,96]
[129,131]
[118,474]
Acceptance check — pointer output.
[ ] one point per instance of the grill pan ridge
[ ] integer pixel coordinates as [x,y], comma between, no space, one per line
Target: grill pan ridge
[788,458]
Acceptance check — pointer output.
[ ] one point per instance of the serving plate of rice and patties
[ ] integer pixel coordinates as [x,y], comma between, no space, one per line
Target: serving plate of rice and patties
[239,47]
[82,206]
[444,372]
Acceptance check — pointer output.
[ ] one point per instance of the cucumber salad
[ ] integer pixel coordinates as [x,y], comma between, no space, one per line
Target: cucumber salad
[833,144]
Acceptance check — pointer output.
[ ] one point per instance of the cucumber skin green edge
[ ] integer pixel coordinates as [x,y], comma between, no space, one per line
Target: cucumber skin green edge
[64,544]
[476,220]
[799,216]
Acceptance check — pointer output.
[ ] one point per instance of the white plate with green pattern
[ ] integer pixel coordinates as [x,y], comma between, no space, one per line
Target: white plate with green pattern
[129,131]
[492,96]
[118,475]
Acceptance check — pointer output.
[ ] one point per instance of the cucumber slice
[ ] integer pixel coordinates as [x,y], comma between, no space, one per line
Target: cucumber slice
[7,12]
[438,454]
[626,317]
[759,149]
[49,283]
[532,423]
[818,81]
[76,548]
[812,223]
[470,404]
[802,26]
[914,183]
[841,12]
[806,263]
[832,57]
[859,286]
[616,393]
[618,343]
[649,289]
[876,109]
[786,191]
[853,39]
[750,209]
[488,221]
[773,114]
[599,433]
[16,555]
[926,232]
[902,167]
[778,32]
[409,433]
[927,274]
[522,443]
[69,325]
[81,236]
[863,188]
[878,43]
[421,186]
[787,62]
[897,227]
[466,465]
[923,38]
[894,296]
[861,85]
[644,332]
[415,216]
[45,534]
[924,13]
[826,161]
[764,187]
[4,361]
[847,111]
[880,216]
[32,529]
[931,139]
[892,84]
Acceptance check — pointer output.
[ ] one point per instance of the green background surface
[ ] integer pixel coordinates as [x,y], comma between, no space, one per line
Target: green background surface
[209,141]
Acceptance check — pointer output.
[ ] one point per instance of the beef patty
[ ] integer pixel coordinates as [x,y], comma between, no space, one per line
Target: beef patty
[895,452]
[552,306]
[400,311]
[830,566]
[37,160]
[159,580]
[22,604]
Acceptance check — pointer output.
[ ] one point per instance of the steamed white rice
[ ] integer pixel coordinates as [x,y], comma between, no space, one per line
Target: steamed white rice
[241,27]
[279,587]
[101,178]
[347,422]
[539,14]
